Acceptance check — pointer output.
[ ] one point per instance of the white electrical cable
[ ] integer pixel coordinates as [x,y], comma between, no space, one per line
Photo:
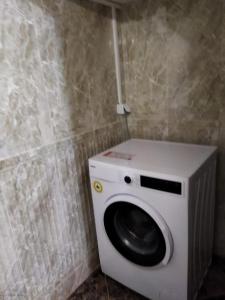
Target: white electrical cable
[122,108]
[117,55]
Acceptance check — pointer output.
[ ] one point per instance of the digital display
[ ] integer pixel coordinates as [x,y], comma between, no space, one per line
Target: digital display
[162,185]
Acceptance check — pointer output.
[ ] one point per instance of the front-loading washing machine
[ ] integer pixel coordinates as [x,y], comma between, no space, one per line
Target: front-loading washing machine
[154,213]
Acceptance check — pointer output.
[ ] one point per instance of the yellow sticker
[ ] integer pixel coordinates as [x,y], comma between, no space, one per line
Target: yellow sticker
[98,186]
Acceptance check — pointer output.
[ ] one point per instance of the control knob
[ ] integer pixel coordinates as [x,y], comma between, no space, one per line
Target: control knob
[127,179]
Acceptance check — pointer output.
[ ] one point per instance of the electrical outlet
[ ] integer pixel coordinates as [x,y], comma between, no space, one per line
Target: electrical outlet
[123,109]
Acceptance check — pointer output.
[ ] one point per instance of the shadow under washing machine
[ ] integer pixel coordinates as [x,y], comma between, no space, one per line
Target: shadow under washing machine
[154,214]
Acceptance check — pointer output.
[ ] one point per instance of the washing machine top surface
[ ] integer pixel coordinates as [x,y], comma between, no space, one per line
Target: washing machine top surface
[168,158]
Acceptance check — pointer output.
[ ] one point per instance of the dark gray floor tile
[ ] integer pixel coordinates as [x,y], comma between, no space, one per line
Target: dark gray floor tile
[214,283]
[119,292]
[101,287]
[95,288]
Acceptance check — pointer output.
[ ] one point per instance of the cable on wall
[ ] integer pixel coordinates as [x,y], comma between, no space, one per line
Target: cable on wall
[122,108]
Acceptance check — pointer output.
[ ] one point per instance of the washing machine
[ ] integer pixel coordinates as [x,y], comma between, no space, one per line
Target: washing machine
[154,213]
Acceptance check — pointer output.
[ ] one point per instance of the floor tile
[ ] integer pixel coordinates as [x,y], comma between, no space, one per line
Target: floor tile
[119,292]
[214,283]
[100,287]
[95,288]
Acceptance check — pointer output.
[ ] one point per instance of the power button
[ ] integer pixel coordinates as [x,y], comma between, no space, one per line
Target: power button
[127,179]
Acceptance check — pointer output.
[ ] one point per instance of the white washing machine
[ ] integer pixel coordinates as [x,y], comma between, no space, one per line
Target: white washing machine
[154,214]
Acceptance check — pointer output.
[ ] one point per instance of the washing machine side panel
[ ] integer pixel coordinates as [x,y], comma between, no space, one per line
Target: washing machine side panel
[168,282]
[201,223]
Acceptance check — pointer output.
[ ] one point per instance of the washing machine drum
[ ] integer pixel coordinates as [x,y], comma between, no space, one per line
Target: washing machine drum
[135,234]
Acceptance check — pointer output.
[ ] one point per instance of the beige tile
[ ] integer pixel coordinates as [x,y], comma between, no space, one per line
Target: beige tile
[111,135]
[24,115]
[170,62]
[198,132]
[48,220]
[103,93]
[155,129]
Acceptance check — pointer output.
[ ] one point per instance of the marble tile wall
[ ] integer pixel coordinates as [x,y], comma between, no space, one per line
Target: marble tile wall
[174,73]
[47,236]
[58,98]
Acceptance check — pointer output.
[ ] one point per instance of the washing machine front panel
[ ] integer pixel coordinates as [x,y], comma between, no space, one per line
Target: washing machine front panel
[160,207]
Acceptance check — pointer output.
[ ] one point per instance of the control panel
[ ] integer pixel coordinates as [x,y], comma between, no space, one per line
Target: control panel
[169,186]
[134,179]
[158,184]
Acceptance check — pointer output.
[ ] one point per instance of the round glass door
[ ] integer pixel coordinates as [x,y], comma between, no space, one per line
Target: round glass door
[135,234]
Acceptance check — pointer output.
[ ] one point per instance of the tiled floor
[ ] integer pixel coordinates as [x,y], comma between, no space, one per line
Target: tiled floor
[101,287]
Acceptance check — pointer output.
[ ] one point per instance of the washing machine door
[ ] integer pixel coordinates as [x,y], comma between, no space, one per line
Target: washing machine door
[138,233]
